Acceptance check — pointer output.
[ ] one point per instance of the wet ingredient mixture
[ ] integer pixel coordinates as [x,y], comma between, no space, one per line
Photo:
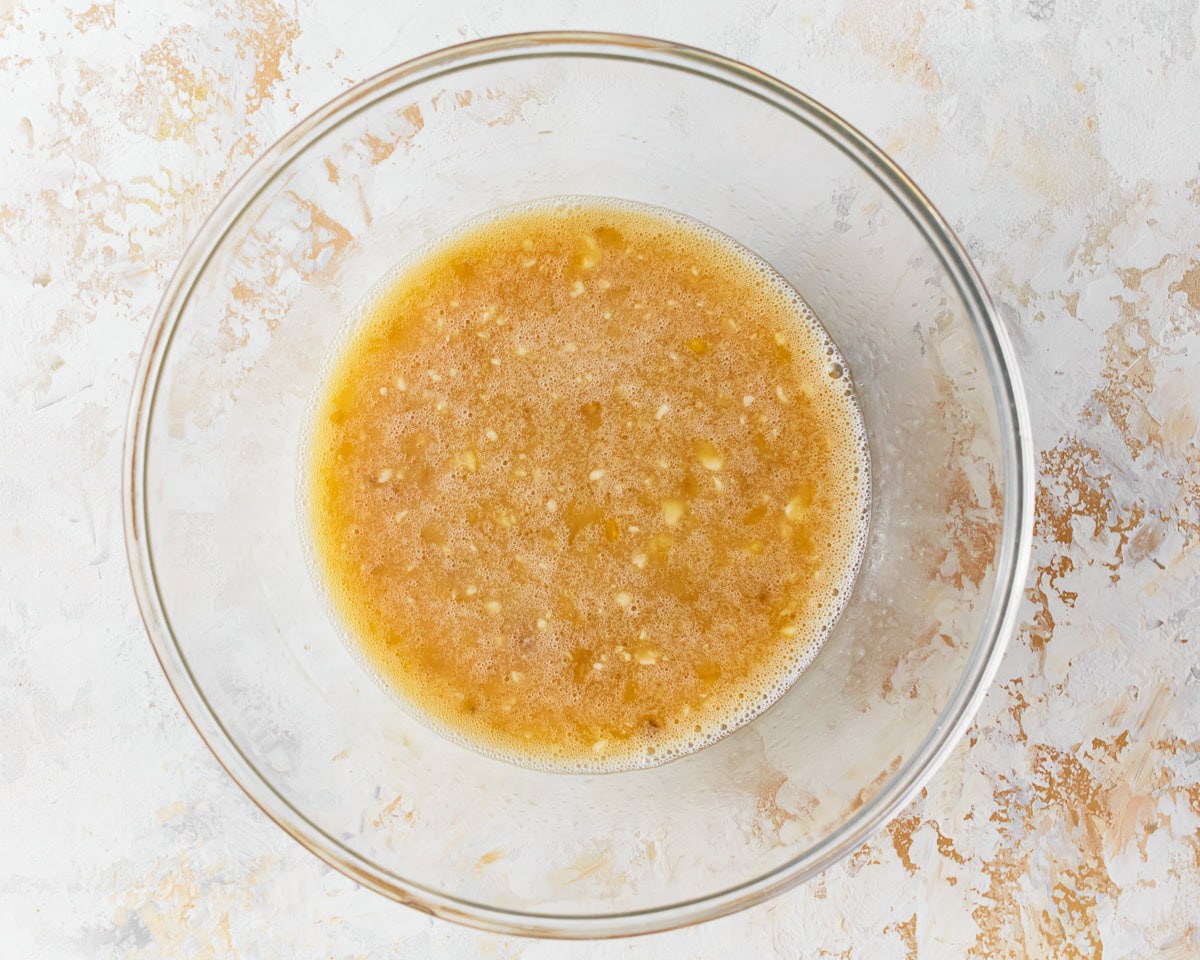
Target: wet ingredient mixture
[586,484]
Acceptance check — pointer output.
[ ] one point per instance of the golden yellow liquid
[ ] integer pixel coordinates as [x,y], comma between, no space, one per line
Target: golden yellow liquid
[587,485]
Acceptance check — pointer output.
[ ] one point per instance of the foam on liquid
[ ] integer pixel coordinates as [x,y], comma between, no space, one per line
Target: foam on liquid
[586,483]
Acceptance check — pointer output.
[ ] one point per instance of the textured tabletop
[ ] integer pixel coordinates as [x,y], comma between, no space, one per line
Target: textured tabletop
[1061,142]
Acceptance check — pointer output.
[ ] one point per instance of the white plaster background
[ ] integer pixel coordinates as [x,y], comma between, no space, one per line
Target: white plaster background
[1061,140]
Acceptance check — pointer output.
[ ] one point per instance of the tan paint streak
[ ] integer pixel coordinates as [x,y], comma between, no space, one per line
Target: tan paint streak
[243,292]
[393,814]
[769,814]
[901,830]
[1175,744]
[1178,430]
[864,856]
[326,233]
[1062,790]
[1129,377]
[908,935]
[871,789]
[895,42]
[1149,412]
[1192,792]
[176,86]
[973,524]
[945,845]
[269,40]
[183,908]
[584,867]
[1146,540]
[1189,285]
[973,527]
[515,106]
[1073,487]
[1133,277]
[1017,707]
[97,15]
[1128,766]
[1108,220]
[999,917]
[382,148]
[1064,784]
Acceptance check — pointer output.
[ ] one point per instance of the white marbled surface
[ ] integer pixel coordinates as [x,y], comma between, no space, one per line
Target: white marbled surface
[1061,141]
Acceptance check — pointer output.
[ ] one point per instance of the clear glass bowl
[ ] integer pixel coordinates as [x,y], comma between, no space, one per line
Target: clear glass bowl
[242,634]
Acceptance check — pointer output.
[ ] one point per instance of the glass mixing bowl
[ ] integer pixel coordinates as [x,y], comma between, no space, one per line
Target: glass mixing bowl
[233,360]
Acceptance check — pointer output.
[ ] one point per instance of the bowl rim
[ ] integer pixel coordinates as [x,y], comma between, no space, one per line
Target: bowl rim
[1014,427]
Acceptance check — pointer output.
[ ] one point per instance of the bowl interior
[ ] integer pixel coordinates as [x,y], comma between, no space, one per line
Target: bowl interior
[242,630]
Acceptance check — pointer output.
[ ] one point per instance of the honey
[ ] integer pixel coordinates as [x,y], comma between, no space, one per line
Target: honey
[586,484]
